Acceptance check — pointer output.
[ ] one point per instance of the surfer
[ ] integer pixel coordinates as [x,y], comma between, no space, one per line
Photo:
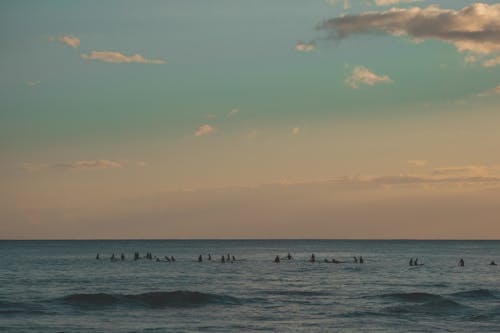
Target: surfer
[172,258]
[223,259]
[289,256]
[361,260]
[461,263]
[122,257]
[328,261]
[157,259]
[313,258]
[209,257]
[234,258]
[113,258]
[411,261]
[277,260]
[355,260]
[493,263]
[167,258]
[200,259]
[97,257]
[415,262]
[228,257]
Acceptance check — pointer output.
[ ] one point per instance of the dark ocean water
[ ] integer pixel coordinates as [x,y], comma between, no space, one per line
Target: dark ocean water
[59,286]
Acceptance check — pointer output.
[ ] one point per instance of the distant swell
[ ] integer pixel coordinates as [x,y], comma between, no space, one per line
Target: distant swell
[477,293]
[443,306]
[158,299]
[414,297]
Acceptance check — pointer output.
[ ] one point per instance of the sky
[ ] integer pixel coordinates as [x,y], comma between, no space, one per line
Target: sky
[369,119]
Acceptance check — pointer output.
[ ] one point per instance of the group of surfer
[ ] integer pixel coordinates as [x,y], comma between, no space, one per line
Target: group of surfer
[277,259]
[223,259]
[415,262]
[360,260]
[137,256]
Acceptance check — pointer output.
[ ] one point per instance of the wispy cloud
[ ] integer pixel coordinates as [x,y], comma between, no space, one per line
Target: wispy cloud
[71,41]
[362,75]
[233,112]
[493,91]
[204,130]
[90,164]
[119,58]
[393,2]
[417,163]
[84,164]
[474,28]
[345,3]
[305,46]
[492,62]
[31,83]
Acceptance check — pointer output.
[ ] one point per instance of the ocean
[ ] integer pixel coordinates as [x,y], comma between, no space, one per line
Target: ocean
[59,286]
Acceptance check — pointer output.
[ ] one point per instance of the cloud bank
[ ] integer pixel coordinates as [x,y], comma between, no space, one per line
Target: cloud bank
[119,58]
[474,28]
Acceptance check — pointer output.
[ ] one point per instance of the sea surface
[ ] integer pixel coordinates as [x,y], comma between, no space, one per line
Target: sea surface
[59,286]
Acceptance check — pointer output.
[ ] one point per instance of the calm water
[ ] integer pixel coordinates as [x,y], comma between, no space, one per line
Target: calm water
[58,286]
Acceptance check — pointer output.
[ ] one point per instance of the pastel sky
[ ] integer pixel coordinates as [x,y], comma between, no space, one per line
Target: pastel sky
[249,119]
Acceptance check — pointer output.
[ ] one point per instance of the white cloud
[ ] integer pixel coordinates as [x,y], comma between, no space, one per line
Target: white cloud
[295,130]
[204,130]
[492,62]
[71,41]
[474,28]
[417,163]
[91,164]
[117,57]
[305,46]
[361,75]
[233,112]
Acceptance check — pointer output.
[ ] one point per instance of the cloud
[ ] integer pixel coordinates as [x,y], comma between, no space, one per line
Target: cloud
[493,91]
[91,164]
[492,62]
[71,41]
[361,75]
[346,4]
[393,2]
[474,28]
[470,59]
[32,83]
[118,58]
[417,163]
[204,130]
[295,130]
[233,112]
[305,46]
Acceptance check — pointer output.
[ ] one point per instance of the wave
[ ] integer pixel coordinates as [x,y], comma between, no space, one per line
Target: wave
[159,299]
[476,293]
[437,307]
[12,308]
[298,293]
[414,297]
